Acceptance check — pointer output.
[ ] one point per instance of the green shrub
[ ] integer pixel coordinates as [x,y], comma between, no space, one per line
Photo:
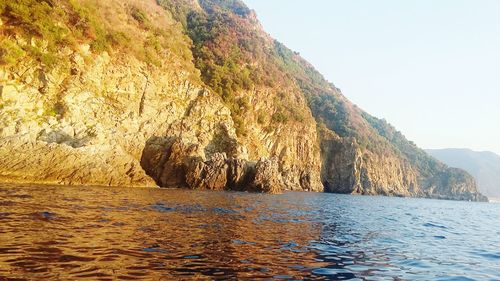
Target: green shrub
[297,115]
[117,39]
[153,42]
[38,19]
[152,57]
[49,21]
[239,124]
[280,117]
[261,118]
[89,27]
[139,15]
[49,59]
[10,52]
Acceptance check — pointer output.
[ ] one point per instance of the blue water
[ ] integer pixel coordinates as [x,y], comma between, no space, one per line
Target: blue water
[68,233]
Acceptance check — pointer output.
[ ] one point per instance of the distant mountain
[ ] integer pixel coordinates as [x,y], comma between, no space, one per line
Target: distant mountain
[484,166]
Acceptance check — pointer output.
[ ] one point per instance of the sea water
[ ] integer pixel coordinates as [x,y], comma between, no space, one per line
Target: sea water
[67,233]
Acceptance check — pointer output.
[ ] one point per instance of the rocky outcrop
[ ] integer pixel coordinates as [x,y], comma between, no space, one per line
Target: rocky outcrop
[89,128]
[26,161]
[267,177]
[221,173]
[453,184]
[347,169]
[175,164]
[240,173]
[212,175]
[120,118]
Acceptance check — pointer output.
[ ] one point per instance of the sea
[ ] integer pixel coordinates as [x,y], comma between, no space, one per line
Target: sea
[97,233]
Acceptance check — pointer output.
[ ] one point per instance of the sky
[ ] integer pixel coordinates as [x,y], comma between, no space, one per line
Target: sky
[429,67]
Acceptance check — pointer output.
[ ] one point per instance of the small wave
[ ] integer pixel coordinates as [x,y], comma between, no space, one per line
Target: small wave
[429,224]
[4,215]
[7,203]
[337,272]
[282,277]
[223,211]
[154,250]
[241,242]
[72,258]
[192,257]
[456,278]
[492,256]
[44,215]
[160,207]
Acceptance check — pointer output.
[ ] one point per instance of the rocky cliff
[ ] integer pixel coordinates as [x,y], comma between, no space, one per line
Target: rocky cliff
[116,117]
[483,165]
[183,93]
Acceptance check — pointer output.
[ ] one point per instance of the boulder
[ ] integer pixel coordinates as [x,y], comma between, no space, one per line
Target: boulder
[210,175]
[267,176]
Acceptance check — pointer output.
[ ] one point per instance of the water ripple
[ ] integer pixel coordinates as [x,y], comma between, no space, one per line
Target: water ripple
[66,233]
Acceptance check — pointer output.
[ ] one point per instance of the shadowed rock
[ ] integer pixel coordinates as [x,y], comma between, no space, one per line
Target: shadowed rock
[208,175]
[173,163]
[240,173]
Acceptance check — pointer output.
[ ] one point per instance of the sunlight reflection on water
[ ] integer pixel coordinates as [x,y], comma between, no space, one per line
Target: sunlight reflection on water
[162,234]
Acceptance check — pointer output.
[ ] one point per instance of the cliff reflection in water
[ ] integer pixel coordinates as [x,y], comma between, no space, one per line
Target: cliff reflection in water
[67,233]
[148,233]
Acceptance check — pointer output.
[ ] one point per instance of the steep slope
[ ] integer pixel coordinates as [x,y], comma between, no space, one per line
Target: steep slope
[191,94]
[366,155]
[484,166]
[360,154]
[106,93]
[71,113]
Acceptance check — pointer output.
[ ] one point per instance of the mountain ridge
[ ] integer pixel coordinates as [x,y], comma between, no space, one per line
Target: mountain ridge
[190,94]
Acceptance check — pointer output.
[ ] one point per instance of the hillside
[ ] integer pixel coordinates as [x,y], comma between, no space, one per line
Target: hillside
[484,166]
[185,93]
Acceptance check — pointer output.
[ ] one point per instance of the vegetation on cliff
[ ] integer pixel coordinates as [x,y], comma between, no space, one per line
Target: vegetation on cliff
[41,29]
[234,55]
[279,105]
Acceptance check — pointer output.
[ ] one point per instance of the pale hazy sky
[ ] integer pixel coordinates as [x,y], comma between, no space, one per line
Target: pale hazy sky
[429,67]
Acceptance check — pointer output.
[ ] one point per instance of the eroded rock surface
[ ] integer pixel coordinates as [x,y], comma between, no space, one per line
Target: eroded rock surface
[122,124]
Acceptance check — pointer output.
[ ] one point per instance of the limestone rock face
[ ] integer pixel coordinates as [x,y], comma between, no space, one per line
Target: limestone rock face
[36,162]
[121,123]
[346,169]
[212,175]
[267,177]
